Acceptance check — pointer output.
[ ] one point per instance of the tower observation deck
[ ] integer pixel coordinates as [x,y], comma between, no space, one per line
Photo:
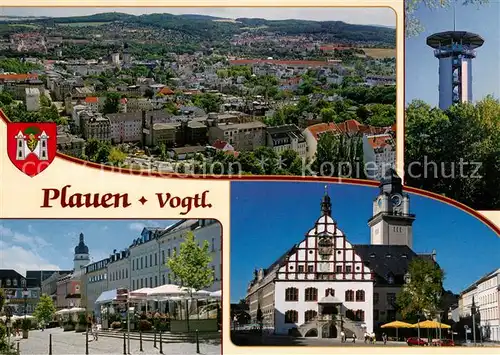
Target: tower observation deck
[455,51]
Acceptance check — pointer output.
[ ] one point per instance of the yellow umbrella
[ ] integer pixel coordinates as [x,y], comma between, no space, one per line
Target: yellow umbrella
[397,324]
[431,324]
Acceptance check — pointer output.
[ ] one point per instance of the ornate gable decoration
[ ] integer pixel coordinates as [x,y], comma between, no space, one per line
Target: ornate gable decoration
[324,254]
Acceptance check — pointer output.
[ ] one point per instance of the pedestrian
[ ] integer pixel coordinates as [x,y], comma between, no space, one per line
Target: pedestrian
[374,338]
[384,338]
[94,331]
[367,337]
[353,337]
[342,337]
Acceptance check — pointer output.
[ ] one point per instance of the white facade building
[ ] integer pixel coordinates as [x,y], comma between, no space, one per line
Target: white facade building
[32,99]
[484,294]
[118,270]
[317,287]
[286,137]
[379,154]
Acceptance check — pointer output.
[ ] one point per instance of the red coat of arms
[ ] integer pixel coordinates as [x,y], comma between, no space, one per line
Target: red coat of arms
[31,146]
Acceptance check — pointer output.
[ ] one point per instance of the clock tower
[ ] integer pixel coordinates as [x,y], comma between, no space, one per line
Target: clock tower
[391,223]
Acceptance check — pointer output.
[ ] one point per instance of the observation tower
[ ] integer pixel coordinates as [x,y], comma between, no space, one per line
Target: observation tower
[455,51]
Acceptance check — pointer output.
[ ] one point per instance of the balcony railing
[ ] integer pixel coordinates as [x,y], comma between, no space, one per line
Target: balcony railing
[447,52]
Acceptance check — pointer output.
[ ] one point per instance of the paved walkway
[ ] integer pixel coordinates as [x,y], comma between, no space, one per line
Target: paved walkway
[71,343]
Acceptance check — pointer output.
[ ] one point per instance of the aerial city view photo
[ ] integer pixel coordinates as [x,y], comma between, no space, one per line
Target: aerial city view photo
[208,91]
[110,286]
[452,128]
[359,266]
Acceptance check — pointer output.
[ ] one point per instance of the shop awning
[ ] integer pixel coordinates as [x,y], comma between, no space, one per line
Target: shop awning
[106,297]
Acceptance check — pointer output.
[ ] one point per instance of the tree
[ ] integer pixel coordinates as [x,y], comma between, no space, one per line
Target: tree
[421,295]
[112,103]
[339,155]
[116,157]
[191,265]
[45,309]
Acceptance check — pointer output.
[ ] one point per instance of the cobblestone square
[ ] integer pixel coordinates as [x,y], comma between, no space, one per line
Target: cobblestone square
[71,343]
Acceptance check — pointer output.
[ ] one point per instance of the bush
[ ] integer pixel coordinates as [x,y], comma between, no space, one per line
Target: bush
[144,325]
[116,325]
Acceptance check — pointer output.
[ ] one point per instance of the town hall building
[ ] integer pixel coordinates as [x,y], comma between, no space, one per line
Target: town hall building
[324,284]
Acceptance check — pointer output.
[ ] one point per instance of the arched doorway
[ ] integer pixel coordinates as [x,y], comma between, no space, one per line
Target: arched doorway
[312,333]
[330,331]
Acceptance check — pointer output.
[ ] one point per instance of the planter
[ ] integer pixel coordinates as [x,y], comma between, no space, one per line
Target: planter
[80,328]
[25,334]
[68,327]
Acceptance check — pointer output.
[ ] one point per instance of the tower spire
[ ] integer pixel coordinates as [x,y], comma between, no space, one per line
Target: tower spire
[454,16]
[326,204]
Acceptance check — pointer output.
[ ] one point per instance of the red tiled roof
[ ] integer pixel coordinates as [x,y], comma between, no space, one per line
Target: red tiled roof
[218,144]
[91,99]
[349,126]
[17,77]
[166,91]
[312,63]
[380,141]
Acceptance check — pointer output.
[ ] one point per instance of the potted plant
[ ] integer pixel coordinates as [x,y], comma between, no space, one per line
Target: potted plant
[82,323]
[25,326]
[69,325]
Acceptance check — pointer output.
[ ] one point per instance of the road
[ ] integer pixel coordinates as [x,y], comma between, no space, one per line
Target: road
[71,343]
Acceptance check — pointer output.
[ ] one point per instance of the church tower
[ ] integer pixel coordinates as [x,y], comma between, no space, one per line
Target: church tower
[82,257]
[391,223]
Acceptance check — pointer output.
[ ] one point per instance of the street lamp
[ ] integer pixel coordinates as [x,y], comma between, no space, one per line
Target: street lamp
[25,296]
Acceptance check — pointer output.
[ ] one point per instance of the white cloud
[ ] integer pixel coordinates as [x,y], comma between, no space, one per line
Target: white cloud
[35,242]
[20,259]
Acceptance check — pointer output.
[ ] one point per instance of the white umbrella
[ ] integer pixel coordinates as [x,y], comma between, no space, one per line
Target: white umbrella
[63,311]
[216,294]
[76,310]
[141,294]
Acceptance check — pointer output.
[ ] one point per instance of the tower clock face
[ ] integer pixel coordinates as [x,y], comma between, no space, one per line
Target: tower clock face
[379,202]
[396,200]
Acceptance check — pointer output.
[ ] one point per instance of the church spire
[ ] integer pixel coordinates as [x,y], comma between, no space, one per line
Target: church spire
[326,204]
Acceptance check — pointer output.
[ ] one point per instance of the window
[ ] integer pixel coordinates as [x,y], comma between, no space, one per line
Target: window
[375,315]
[14,282]
[348,269]
[375,298]
[169,280]
[23,283]
[349,296]
[338,269]
[163,279]
[175,250]
[310,268]
[311,294]
[151,281]
[163,257]
[133,265]
[391,315]
[141,262]
[301,268]
[168,253]
[150,260]
[156,258]
[391,298]
[8,282]
[291,294]
[142,283]
[133,284]
[360,315]
[329,292]
[310,315]
[156,281]
[360,296]
[291,317]
[126,273]
[213,244]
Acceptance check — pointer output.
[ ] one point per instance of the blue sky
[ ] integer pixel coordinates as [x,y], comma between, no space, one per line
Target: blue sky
[379,16]
[422,66]
[32,244]
[267,218]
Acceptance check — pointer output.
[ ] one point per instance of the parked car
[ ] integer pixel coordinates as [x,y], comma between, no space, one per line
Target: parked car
[446,342]
[416,342]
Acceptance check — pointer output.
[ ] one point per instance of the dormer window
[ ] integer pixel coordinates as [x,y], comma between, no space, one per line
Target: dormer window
[372,255]
[7,283]
[14,282]
[390,279]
